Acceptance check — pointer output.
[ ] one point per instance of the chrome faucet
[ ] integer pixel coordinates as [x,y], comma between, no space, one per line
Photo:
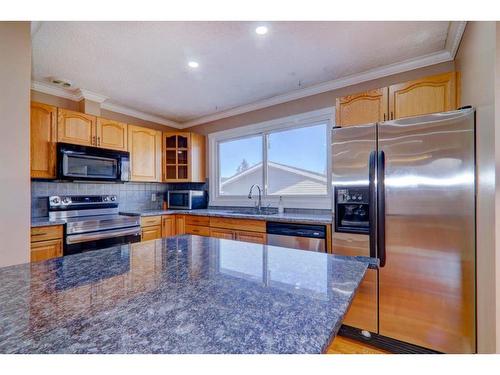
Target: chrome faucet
[259,204]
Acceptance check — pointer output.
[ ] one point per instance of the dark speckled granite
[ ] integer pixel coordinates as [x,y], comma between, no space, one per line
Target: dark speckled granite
[183,294]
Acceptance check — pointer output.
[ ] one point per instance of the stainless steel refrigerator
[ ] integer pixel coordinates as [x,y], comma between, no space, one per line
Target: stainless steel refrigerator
[404,191]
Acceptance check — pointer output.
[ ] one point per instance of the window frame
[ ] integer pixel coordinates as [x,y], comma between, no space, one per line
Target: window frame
[264,129]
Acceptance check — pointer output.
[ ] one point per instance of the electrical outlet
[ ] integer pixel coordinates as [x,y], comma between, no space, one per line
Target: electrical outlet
[153,197]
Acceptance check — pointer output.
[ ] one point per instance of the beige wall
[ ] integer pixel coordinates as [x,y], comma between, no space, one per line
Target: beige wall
[314,102]
[15,73]
[92,109]
[476,62]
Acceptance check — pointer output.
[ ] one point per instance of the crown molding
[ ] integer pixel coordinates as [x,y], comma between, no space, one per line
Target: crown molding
[453,38]
[79,94]
[431,59]
[139,114]
[90,95]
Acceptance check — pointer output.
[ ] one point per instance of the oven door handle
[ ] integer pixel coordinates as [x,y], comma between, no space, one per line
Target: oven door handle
[372,205]
[94,236]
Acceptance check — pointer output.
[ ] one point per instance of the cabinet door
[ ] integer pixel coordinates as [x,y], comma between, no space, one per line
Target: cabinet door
[222,233]
[168,226]
[198,163]
[427,95]
[44,250]
[180,224]
[144,145]
[254,237]
[43,127]
[111,134]
[151,233]
[362,108]
[75,127]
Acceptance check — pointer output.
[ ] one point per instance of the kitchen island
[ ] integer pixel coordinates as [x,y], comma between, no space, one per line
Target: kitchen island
[184,294]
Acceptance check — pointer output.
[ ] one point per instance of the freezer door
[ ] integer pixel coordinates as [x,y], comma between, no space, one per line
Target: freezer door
[427,286]
[351,150]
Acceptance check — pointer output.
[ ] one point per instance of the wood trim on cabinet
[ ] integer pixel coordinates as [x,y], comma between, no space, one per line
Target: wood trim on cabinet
[421,96]
[198,230]
[43,250]
[43,138]
[145,159]
[226,234]
[82,134]
[147,221]
[49,232]
[238,224]
[117,140]
[362,108]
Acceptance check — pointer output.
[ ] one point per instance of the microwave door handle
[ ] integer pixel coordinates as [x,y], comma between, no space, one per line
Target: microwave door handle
[372,204]
[381,208]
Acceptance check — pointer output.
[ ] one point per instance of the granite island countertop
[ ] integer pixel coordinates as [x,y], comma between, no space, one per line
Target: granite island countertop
[184,294]
[308,218]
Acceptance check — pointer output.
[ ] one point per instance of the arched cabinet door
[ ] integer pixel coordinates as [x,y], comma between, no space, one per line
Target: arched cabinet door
[43,127]
[111,134]
[362,108]
[432,94]
[144,145]
[76,128]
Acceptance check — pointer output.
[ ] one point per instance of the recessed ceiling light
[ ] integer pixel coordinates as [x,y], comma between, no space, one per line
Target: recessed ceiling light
[193,64]
[261,30]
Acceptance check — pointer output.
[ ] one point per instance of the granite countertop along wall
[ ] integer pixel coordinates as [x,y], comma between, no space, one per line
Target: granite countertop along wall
[290,217]
[184,294]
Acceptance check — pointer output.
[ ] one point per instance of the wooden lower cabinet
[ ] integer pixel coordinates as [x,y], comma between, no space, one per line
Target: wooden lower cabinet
[198,230]
[180,224]
[254,237]
[225,234]
[44,250]
[168,226]
[46,243]
[151,233]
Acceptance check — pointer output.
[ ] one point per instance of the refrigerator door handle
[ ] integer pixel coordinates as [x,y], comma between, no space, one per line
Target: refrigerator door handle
[372,199]
[381,207]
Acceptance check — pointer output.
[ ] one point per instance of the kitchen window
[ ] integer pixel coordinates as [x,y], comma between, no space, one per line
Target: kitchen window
[287,157]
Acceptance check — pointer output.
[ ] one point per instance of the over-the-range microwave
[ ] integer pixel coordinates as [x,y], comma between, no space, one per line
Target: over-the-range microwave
[186,199]
[76,162]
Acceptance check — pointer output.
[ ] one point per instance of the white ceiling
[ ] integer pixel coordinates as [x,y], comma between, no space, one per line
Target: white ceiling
[143,65]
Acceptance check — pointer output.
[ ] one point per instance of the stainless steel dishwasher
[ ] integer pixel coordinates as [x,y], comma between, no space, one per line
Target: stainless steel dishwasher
[297,236]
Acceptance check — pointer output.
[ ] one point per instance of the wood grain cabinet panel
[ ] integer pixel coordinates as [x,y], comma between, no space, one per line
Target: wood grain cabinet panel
[362,108]
[168,226]
[46,242]
[254,237]
[44,250]
[43,128]
[144,145]
[151,233]
[148,221]
[197,230]
[238,224]
[180,224]
[75,127]
[111,134]
[225,234]
[423,96]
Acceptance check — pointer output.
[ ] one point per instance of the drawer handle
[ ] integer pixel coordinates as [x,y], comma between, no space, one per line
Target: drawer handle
[39,234]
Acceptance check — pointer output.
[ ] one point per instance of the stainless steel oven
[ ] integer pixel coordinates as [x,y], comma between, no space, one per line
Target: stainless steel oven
[92,163]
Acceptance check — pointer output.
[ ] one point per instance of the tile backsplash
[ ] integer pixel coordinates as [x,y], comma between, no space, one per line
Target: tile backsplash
[131,195]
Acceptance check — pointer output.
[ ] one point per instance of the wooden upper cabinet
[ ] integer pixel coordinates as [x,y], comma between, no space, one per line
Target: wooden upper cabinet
[422,96]
[183,157]
[144,145]
[76,128]
[362,108]
[111,134]
[43,127]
